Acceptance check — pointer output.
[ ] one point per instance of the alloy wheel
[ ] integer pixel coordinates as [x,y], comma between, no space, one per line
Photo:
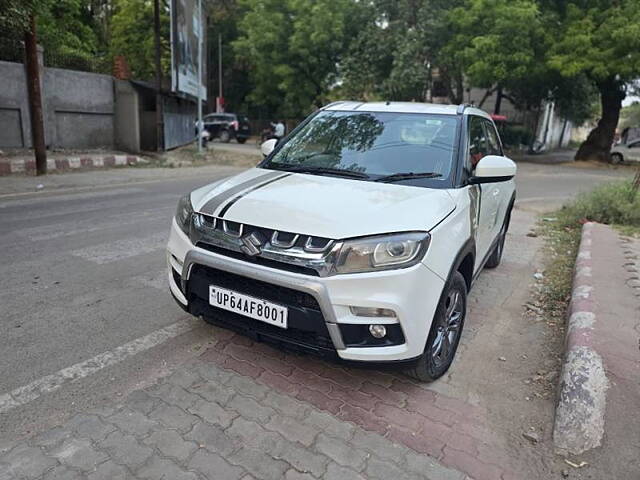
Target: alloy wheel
[448,329]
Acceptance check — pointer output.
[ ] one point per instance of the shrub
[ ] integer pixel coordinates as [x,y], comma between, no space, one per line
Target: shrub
[515,135]
[611,203]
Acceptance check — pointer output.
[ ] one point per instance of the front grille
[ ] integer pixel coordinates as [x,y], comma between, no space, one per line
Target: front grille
[293,252]
[289,267]
[306,326]
[235,229]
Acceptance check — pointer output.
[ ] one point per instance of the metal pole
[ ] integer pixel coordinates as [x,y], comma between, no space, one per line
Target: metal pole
[199,76]
[220,73]
[159,119]
[35,97]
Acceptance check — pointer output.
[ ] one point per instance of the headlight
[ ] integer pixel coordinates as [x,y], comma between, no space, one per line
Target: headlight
[384,252]
[184,213]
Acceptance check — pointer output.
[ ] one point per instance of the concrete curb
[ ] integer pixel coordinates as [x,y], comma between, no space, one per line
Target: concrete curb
[22,166]
[579,418]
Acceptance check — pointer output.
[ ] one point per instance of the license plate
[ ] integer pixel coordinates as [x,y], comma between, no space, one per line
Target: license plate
[252,307]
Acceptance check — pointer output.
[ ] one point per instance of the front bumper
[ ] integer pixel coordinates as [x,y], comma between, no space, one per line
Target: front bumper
[413,293]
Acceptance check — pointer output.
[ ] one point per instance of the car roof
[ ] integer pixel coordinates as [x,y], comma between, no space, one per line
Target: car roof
[404,107]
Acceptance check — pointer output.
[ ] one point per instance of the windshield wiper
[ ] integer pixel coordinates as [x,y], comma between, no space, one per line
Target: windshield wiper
[407,176]
[320,170]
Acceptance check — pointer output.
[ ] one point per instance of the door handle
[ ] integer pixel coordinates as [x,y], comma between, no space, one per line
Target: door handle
[496,192]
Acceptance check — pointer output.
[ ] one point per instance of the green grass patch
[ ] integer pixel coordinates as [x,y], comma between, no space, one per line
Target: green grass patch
[613,204]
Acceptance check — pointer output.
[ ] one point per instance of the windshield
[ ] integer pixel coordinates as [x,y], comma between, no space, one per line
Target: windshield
[373,144]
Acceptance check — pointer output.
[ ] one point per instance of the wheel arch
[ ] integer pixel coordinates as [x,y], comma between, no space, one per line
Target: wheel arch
[464,262]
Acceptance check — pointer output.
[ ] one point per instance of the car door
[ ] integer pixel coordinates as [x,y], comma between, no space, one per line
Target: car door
[500,192]
[632,151]
[483,195]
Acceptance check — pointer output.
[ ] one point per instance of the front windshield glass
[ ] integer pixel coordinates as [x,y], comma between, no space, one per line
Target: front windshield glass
[374,144]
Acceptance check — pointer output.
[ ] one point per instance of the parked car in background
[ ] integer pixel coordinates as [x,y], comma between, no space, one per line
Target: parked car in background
[628,148]
[357,238]
[227,126]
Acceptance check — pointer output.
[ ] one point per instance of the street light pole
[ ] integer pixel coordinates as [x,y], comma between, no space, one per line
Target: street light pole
[199,76]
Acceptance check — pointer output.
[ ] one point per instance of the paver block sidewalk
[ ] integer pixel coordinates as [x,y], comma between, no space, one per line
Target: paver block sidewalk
[10,165]
[206,421]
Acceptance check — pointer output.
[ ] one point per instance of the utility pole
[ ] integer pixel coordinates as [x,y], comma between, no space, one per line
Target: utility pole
[159,105]
[35,96]
[200,76]
[220,101]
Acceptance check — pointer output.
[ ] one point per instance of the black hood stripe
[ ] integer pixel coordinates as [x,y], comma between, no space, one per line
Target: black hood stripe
[246,192]
[215,202]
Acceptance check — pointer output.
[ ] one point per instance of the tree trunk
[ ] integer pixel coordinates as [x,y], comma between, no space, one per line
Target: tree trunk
[498,105]
[35,97]
[486,95]
[597,146]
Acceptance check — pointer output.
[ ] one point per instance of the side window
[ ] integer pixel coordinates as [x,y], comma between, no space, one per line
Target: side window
[477,141]
[492,138]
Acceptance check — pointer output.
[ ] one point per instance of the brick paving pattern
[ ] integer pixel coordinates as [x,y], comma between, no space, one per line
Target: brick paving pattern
[245,410]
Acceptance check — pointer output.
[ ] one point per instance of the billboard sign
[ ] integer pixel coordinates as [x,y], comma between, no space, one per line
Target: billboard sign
[186,30]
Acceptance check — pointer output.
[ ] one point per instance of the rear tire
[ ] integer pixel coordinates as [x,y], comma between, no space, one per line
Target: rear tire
[224,136]
[445,333]
[616,158]
[241,140]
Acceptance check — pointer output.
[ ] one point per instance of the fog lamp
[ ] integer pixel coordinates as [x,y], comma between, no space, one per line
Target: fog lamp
[372,312]
[377,331]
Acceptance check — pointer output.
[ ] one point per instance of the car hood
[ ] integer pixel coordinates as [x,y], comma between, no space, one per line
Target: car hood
[324,206]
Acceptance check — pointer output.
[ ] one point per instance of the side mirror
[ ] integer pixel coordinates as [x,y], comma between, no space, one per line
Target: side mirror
[492,169]
[267,147]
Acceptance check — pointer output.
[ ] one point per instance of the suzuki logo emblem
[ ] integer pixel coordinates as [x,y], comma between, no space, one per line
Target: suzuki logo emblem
[251,244]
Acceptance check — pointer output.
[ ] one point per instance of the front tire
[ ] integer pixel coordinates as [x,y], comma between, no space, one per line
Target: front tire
[241,140]
[616,158]
[445,332]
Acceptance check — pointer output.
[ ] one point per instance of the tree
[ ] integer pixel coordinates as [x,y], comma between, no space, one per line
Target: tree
[14,16]
[132,36]
[501,45]
[601,40]
[394,56]
[294,47]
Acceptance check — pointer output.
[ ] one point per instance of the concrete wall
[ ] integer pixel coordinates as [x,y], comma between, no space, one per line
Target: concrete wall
[553,130]
[15,127]
[126,119]
[78,108]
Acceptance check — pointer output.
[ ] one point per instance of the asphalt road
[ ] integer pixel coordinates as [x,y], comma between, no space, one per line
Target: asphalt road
[85,313]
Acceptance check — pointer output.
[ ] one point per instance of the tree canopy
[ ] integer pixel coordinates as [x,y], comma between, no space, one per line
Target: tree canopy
[600,40]
[286,57]
[294,47]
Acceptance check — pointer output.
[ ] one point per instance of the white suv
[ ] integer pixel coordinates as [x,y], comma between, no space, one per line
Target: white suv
[358,236]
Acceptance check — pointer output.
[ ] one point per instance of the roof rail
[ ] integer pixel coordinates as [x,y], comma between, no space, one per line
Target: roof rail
[461,108]
[333,104]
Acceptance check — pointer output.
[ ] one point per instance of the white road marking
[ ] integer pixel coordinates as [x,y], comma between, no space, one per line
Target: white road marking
[50,383]
[89,197]
[121,249]
[68,229]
